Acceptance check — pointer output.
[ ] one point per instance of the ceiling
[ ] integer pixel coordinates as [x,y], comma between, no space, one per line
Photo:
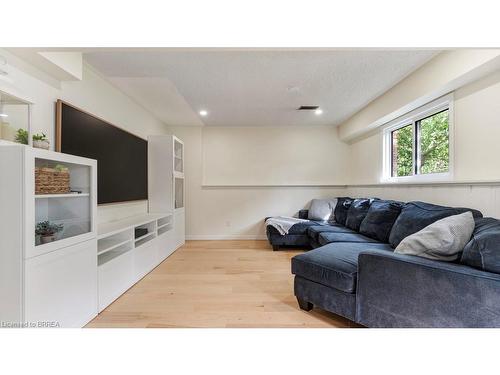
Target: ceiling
[254,87]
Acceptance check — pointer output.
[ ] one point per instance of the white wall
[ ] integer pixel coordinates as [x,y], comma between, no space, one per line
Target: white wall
[274,156]
[92,94]
[239,211]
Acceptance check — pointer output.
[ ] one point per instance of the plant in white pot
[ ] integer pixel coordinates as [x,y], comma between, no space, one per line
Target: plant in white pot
[47,231]
[41,141]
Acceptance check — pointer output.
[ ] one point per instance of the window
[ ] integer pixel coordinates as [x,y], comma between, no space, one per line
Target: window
[417,146]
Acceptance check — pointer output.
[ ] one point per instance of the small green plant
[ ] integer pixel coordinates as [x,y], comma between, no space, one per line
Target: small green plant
[60,168]
[22,136]
[46,228]
[39,137]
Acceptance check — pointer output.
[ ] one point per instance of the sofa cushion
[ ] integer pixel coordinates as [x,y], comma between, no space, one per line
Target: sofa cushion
[483,250]
[314,231]
[380,218]
[357,212]
[326,238]
[442,240]
[322,209]
[416,216]
[334,265]
[340,212]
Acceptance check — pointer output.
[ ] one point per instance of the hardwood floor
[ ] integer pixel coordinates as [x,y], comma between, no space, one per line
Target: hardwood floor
[217,284]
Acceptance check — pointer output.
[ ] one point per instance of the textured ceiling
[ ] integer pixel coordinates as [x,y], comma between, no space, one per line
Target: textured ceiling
[255,88]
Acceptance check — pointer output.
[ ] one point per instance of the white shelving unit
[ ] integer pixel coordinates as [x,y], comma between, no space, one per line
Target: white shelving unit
[166,182]
[123,259]
[55,281]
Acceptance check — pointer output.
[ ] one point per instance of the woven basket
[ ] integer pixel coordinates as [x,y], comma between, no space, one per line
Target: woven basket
[51,181]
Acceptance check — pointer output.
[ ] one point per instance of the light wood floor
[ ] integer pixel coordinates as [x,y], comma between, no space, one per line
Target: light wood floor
[216,284]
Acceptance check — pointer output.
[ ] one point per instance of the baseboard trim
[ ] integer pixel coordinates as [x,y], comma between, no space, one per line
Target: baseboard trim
[218,237]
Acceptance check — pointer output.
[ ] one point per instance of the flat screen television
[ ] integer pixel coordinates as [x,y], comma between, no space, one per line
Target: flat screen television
[122,158]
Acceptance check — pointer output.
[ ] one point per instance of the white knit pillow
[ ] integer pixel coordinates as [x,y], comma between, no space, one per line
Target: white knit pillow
[442,240]
[322,209]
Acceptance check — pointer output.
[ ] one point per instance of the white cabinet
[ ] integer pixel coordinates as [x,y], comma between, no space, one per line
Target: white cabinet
[166,179]
[49,277]
[179,225]
[61,286]
[145,259]
[124,259]
[115,277]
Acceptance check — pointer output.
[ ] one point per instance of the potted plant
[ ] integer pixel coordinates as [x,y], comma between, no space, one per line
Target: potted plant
[22,136]
[47,231]
[41,141]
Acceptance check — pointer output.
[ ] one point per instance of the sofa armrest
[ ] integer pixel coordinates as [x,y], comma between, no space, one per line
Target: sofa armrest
[397,290]
[303,214]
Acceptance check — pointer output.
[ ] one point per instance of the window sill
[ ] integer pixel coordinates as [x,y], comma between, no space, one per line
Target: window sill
[419,179]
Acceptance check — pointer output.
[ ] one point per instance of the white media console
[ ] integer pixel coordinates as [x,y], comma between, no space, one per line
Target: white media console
[122,259]
[66,282]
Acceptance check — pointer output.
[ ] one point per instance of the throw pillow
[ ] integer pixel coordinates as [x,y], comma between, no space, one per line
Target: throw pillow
[483,250]
[417,215]
[442,240]
[343,204]
[380,218]
[322,209]
[357,212]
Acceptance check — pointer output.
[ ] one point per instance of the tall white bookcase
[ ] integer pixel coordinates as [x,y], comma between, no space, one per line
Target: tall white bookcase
[50,284]
[166,181]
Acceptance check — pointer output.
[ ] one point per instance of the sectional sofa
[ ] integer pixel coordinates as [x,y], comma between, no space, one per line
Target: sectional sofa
[353,271]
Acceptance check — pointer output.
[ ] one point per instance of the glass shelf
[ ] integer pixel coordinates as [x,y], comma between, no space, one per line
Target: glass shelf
[179,192]
[178,156]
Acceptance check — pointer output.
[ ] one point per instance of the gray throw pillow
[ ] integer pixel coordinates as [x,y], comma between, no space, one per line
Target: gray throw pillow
[322,209]
[441,240]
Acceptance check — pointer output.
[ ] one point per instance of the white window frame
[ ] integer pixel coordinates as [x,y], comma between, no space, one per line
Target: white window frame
[436,106]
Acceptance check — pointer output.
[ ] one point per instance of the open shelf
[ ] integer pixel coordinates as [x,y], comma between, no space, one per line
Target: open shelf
[117,237]
[165,228]
[114,253]
[113,241]
[139,239]
[112,247]
[164,225]
[164,221]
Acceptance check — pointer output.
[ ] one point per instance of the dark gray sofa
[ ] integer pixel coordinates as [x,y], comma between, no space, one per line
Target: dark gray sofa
[356,274]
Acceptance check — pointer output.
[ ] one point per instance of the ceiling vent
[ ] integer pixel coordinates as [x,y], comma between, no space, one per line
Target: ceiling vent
[308,108]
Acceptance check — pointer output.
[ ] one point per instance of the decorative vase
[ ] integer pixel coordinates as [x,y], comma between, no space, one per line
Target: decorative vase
[47,239]
[41,144]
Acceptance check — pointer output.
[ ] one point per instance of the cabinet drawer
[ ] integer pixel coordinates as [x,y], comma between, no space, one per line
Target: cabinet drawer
[61,286]
[115,277]
[145,258]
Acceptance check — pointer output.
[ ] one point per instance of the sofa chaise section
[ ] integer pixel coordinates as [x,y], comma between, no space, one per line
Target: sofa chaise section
[330,272]
[397,290]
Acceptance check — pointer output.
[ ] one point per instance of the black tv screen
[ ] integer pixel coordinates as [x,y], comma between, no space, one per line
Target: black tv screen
[122,158]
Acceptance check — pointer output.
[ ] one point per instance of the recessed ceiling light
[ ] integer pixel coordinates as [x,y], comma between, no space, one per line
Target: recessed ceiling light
[203,113]
[318,111]
[4,115]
